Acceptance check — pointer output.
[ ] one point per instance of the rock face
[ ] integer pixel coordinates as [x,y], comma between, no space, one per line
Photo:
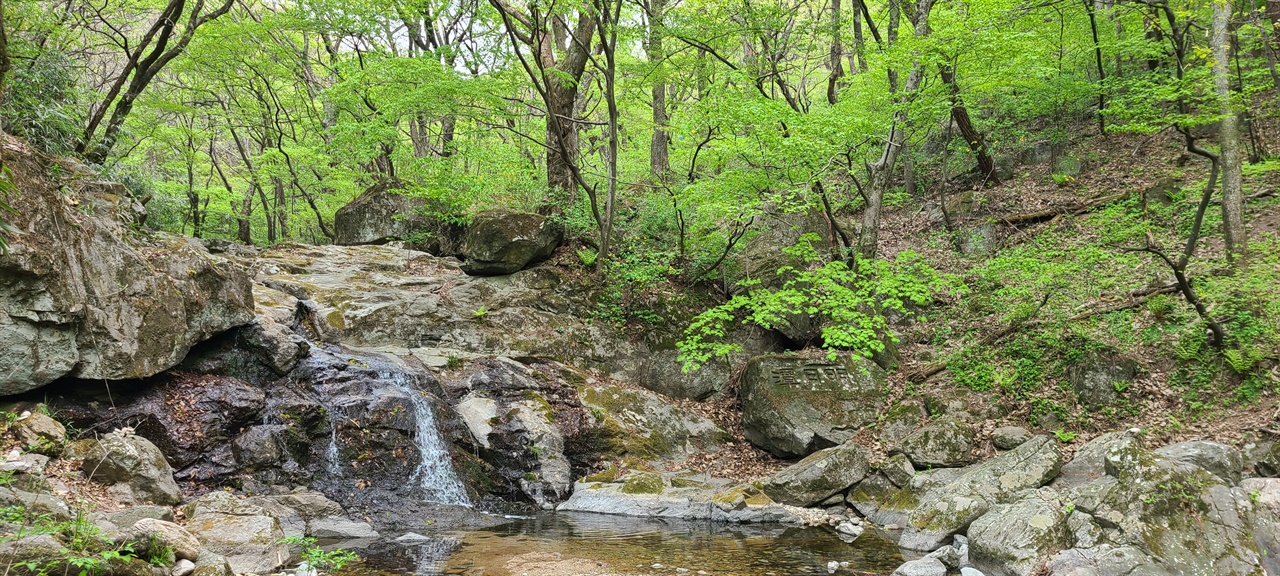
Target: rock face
[792,407]
[973,494]
[501,242]
[1014,539]
[245,535]
[147,532]
[82,296]
[382,214]
[134,466]
[819,476]
[212,411]
[889,498]
[1219,459]
[946,443]
[40,433]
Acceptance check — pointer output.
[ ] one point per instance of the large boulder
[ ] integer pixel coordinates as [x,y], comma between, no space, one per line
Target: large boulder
[81,295]
[501,242]
[1219,459]
[1088,463]
[384,213]
[795,406]
[136,469]
[1014,539]
[249,539]
[819,476]
[981,487]
[679,496]
[888,498]
[1184,517]
[150,532]
[944,443]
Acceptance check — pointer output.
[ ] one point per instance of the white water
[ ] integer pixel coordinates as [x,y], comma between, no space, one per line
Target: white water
[435,474]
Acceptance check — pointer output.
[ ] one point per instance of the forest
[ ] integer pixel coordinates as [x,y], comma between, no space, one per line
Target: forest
[666,135]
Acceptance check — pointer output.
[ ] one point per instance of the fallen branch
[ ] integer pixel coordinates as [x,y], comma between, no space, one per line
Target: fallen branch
[1051,213]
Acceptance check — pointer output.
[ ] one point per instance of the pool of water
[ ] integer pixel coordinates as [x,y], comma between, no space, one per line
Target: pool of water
[565,544]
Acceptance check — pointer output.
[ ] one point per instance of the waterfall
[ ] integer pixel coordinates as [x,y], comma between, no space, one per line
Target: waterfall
[435,474]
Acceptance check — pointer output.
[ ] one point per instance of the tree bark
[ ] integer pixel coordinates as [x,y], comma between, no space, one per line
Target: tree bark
[834,59]
[960,114]
[659,155]
[882,169]
[1228,137]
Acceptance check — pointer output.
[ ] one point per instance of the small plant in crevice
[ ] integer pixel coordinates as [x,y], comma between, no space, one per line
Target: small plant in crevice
[318,559]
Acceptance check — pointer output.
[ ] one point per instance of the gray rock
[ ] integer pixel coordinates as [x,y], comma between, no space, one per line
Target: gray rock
[980,239]
[948,555]
[383,213]
[42,547]
[33,502]
[1103,560]
[793,407]
[1085,532]
[1221,460]
[885,503]
[1068,166]
[1088,463]
[1014,539]
[130,516]
[652,495]
[501,242]
[339,528]
[1097,380]
[968,571]
[37,432]
[183,568]
[278,346]
[94,300]
[901,420]
[149,531]
[244,534]
[132,463]
[260,447]
[898,470]
[1009,437]
[819,475]
[212,564]
[966,499]
[922,567]
[946,443]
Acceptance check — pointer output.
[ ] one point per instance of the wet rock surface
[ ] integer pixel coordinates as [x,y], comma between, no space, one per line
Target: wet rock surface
[793,407]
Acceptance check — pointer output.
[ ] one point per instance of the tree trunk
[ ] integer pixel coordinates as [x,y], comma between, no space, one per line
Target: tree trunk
[960,114]
[1097,54]
[882,169]
[1228,137]
[659,155]
[834,60]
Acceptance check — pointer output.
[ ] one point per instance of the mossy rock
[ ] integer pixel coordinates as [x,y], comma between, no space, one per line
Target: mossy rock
[643,483]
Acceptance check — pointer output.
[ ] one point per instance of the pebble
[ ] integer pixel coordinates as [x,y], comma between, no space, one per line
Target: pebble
[967,571]
[657,566]
[682,570]
[832,566]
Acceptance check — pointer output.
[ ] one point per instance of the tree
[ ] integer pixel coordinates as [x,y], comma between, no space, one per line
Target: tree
[1228,136]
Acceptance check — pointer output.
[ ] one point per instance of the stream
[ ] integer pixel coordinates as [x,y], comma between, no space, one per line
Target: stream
[565,544]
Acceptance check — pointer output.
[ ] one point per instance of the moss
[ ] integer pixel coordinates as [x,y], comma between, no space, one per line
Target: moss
[335,319]
[742,493]
[607,475]
[643,483]
[688,483]
[543,406]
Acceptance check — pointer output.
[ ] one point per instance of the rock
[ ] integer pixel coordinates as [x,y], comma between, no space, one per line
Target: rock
[130,516]
[133,464]
[42,548]
[901,420]
[1068,166]
[215,408]
[1085,532]
[819,475]
[85,297]
[946,442]
[1098,380]
[183,568]
[260,447]
[242,533]
[1042,152]
[947,555]
[37,432]
[793,407]
[849,528]
[277,345]
[654,495]
[1176,512]
[1014,539]
[40,504]
[953,508]
[212,564]
[149,531]
[384,213]
[1221,460]
[898,470]
[1009,437]
[922,567]
[1088,464]
[968,571]
[338,528]
[980,239]
[501,242]
[1103,560]
[885,503]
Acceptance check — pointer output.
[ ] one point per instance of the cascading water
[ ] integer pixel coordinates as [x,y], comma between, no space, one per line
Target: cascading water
[435,474]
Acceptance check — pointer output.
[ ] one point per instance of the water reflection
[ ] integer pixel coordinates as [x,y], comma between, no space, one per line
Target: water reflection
[595,545]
